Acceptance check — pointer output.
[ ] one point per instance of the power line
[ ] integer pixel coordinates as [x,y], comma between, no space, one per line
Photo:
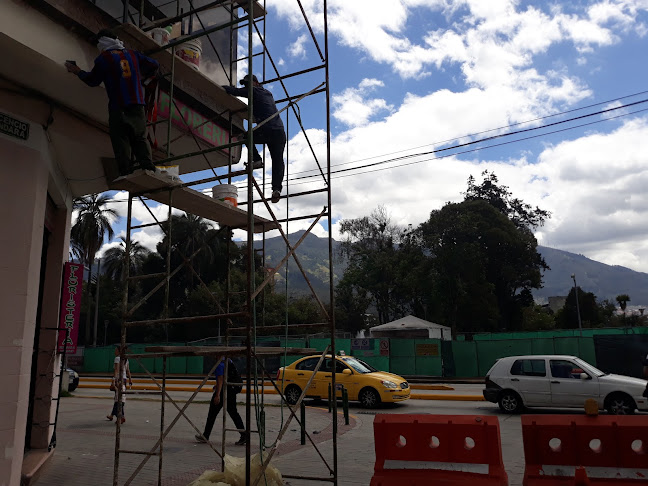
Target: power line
[494,137]
[481,140]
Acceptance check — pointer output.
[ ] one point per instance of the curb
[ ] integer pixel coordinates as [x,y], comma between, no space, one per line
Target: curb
[413,396]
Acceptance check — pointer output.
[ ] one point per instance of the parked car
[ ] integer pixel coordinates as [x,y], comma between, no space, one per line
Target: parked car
[363,383]
[516,382]
[74,379]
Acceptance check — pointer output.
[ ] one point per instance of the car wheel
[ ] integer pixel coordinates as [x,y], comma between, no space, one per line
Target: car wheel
[73,386]
[620,404]
[369,398]
[510,402]
[292,394]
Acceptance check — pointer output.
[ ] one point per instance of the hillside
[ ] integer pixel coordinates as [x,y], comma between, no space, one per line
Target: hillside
[605,281]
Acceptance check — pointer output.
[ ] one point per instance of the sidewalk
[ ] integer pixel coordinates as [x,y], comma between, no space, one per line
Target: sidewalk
[85,438]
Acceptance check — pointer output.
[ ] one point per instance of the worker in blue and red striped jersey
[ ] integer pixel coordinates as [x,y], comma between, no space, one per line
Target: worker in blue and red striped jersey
[122,71]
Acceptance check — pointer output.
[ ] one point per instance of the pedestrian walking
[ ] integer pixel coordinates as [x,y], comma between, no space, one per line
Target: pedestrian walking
[117,383]
[216,403]
[270,133]
[123,72]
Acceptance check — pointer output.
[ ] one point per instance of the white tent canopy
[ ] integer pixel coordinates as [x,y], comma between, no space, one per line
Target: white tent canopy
[410,326]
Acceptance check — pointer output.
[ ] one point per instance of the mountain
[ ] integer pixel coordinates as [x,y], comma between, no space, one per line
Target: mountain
[604,281]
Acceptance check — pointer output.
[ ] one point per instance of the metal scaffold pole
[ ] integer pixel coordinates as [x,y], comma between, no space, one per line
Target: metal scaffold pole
[235,313]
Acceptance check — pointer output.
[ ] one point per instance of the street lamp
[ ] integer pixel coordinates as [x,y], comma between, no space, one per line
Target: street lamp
[580,326]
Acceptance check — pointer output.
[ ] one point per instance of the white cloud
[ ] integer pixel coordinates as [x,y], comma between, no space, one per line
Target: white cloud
[297,49]
[353,108]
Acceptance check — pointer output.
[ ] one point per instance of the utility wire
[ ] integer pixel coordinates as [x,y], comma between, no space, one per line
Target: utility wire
[481,140]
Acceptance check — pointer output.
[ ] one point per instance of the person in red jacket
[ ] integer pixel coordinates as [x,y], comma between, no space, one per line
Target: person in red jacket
[123,72]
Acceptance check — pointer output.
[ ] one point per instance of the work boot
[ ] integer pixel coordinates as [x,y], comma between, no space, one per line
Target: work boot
[200,438]
[276,195]
[241,441]
[256,164]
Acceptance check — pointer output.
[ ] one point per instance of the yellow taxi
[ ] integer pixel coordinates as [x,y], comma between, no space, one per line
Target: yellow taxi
[363,382]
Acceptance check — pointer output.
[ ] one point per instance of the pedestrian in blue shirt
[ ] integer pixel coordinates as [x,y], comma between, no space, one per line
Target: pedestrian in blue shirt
[216,403]
[271,133]
[122,71]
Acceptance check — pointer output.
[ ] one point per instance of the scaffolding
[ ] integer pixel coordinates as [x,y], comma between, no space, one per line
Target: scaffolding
[184,85]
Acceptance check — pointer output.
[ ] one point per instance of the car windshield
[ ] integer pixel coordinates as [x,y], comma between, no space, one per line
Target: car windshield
[357,365]
[588,367]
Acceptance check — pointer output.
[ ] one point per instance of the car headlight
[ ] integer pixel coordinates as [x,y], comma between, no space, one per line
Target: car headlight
[389,384]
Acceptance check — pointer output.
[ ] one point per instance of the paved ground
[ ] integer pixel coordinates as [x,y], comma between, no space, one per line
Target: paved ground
[85,450]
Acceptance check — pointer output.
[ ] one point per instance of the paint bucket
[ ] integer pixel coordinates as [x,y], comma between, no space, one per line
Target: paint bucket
[227,193]
[190,51]
[161,36]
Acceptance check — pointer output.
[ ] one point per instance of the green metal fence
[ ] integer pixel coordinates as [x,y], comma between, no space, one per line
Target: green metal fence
[408,357]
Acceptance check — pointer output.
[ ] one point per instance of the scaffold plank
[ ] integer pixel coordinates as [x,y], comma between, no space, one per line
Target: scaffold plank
[189,200]
[160,351]
[257,8]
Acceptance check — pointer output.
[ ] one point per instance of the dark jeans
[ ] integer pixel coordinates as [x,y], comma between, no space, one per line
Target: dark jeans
[128,137]
[115,410]
[231,410]
[276,142]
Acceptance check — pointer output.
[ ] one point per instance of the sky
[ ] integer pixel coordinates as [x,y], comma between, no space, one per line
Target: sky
[549,96]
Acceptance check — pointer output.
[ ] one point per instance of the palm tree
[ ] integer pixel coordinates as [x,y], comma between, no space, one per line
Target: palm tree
[115,259]
[623,300]
[93,224]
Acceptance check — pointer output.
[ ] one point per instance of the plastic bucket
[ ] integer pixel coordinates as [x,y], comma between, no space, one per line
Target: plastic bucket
[161,36]
[228,193]
[190,52]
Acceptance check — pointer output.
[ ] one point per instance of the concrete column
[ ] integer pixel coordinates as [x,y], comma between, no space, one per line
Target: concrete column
[23,192]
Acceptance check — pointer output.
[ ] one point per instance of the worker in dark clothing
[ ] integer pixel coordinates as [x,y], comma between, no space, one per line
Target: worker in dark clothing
[216,403]
[270,133]
[122,71]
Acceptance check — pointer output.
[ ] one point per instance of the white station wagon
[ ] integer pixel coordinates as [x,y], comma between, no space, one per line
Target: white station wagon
[516,382]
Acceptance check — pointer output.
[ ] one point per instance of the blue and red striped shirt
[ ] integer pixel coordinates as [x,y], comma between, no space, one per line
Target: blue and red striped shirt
[121,71]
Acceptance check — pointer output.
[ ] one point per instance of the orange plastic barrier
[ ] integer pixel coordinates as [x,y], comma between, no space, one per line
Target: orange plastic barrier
[577,450]
[444,450]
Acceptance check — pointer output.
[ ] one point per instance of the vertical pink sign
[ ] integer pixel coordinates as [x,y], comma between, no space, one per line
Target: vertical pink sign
[70,306]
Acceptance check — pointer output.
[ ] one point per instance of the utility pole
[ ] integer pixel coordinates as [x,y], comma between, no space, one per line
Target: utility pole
[580,325]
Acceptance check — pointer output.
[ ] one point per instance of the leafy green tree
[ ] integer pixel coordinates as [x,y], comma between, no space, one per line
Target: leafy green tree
[93,224]
[486,266]
[376,267]
[522,215]
[590,311]
[537,318]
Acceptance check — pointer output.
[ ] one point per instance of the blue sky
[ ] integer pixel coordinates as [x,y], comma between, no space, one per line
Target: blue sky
[408,75]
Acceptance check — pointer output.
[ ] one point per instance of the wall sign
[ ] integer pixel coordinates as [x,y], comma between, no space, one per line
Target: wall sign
[360,344]
[384,347]
[13,127]
[70,307]
[428,349]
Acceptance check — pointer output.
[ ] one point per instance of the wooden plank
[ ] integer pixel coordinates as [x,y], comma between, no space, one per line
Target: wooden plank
[257,9]
[158,351]
[188,200]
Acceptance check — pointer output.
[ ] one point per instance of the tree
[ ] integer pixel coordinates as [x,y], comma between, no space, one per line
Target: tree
[115,259]
[486,266]
[377,258]
[93,224]
[519,212]
[623,300]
